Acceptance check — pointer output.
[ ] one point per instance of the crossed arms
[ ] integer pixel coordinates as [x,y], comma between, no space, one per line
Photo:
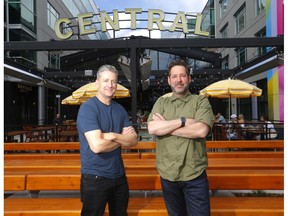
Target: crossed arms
[105,142]
[192,129]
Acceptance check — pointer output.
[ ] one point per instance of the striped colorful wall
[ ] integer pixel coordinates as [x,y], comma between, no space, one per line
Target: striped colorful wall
[275,76]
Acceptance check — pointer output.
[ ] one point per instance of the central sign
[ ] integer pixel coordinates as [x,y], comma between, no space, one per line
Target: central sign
[155,17]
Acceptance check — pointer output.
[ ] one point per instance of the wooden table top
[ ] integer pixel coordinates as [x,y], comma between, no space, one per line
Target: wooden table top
[18,132]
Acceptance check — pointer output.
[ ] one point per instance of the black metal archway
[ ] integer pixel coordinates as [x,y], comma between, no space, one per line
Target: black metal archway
[134,44]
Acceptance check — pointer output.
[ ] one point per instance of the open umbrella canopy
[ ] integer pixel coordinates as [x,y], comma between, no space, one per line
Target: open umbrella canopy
[89,90]
[231,88]
[70,101]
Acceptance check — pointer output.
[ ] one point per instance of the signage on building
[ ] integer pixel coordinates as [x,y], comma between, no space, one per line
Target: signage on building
[24,88]
[155,18]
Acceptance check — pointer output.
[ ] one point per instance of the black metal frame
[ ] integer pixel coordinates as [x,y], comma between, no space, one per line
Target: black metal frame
[134,44]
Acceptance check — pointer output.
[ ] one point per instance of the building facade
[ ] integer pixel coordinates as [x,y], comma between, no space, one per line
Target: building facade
[29,98]
[245,19]
[32,99]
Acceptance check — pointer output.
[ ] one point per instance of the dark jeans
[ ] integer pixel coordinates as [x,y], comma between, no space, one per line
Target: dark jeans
[191,196]
[96,191]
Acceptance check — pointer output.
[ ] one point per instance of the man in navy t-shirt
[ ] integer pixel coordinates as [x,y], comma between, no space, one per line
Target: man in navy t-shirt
[103,127]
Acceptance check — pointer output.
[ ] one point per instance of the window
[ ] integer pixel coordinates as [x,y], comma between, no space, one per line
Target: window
[22,13]
[260,5]
[261,50]
[52,15]
[241,56]
[240,19]
[191,25]
[225,63]
[223,7]
[224,31]
[54,61]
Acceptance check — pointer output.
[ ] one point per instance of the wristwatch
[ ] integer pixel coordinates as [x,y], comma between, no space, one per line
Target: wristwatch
[183,121]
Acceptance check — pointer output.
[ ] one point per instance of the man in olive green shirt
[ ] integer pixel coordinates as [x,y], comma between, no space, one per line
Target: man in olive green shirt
[181,122]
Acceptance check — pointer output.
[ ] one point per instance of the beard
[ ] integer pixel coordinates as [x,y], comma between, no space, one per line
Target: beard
[181,91]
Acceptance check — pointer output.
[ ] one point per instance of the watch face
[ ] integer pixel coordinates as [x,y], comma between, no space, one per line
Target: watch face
[183,121]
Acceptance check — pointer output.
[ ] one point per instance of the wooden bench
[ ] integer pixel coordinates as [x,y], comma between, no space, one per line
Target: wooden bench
[147,146]
[218,180]
[33,156]
[150,206]
[234,172]
[230,154]
[150,155]
[61,179]
[143,164]
[15,182]
[225,179]
[245,144]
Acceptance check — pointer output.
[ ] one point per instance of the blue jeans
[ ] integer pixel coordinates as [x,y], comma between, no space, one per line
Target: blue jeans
[187,197]
[97,191]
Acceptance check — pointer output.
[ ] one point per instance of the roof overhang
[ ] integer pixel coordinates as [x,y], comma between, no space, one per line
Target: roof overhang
[32,79]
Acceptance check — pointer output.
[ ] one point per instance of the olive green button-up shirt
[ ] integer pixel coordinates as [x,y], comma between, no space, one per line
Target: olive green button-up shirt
[178,158]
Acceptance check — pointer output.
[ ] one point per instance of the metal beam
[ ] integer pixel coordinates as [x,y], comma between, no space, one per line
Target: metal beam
[81,73]
[144,43]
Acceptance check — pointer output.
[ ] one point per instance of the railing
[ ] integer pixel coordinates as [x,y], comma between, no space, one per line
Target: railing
[68,132]
[248,131]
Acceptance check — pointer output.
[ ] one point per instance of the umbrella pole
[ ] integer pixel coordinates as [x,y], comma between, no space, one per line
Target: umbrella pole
[229,113]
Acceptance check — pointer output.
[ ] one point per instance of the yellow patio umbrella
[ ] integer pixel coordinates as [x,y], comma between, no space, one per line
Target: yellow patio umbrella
[70,101]
[89,90]
[231,88]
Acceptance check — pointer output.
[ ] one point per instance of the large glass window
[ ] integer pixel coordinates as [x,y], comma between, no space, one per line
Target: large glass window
[224,31]
[225,62]
[241,56]
[260,5]
[223,7]
[52,15]
[191,25]
[263,99]
[240,19]
[27,58]
[28,18]
[23,13]
[261,50]
[54,61]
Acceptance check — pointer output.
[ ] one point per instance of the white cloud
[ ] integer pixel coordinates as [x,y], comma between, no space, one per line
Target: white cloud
[175,6]
[164,5]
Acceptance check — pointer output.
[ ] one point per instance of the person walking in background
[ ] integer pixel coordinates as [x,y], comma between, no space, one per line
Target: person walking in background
[103,127]
[58,120]
[181,123]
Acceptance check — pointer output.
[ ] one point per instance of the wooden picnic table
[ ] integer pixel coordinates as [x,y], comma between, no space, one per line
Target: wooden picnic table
[68,135]
[10,135]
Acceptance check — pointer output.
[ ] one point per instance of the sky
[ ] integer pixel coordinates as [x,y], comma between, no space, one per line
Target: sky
[165,5]
[194,6]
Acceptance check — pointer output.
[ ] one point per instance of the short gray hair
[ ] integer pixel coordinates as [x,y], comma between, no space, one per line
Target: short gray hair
[106,68]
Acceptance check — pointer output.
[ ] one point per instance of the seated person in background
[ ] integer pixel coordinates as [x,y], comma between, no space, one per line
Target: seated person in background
[220,118]
[241,120]
[268,128]
[234,131]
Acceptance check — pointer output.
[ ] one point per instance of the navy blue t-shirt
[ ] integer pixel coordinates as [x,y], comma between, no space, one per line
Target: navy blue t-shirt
[95,115]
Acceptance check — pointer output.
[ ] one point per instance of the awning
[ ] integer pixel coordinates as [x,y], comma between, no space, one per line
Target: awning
[32,78]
